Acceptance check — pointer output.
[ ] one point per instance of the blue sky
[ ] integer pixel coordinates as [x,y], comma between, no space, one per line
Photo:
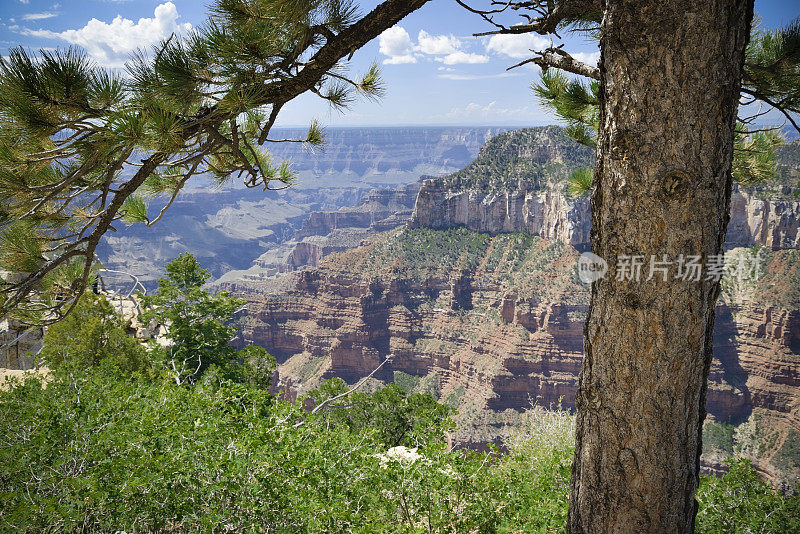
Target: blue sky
[436,72]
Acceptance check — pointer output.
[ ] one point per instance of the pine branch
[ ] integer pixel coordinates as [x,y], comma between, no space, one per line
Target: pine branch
[180,112]
[785,110]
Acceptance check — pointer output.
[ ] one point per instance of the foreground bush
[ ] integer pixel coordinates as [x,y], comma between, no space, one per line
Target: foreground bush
[92,451]
[741,502]
[96,451]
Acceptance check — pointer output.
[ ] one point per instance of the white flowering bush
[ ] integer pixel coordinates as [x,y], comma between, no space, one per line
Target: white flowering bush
[400,455]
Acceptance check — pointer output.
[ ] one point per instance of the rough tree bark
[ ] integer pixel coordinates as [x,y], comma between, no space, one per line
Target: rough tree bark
[670,78]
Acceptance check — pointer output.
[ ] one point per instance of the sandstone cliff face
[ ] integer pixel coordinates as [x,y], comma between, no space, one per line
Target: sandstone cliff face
[551,214]
[757,357]
[754,221]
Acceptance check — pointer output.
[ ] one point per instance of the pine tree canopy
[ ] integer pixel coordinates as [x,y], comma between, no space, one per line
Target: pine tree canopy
[771,79]
[83,148]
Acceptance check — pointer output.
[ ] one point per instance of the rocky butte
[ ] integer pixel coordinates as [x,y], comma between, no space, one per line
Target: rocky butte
[477,301]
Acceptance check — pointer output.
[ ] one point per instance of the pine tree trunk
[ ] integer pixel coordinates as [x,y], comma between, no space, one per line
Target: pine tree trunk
[670,78]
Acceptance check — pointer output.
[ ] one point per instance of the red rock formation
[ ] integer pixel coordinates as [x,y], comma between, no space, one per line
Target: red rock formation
[492,344]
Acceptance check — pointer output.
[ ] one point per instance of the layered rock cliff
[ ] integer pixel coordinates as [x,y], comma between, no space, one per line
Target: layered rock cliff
[771,222]
[550,214]
[478,301]
[379,205]
[491,324]
[517,184]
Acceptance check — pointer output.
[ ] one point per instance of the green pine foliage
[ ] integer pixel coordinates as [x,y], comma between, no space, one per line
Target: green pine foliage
[199,335]
[771,73]
[772,68]
[755,156]
[82,147]
[580,182]
[574,102]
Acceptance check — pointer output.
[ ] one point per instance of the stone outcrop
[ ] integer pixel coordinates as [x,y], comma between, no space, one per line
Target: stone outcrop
[755,221]
[19,345]
[548,213]
[308,253]
[773,223]
[336,324]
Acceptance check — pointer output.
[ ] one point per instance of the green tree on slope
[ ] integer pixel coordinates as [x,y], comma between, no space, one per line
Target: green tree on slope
[198,335]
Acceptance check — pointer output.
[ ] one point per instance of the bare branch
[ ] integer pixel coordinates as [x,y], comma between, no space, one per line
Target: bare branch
[351,390]
[549,21]
[777,105]
[557,58]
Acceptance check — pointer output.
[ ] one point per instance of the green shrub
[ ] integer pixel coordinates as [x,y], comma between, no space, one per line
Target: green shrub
[717,437]
[93,335]
[789,453]
[426,251]
[741,502]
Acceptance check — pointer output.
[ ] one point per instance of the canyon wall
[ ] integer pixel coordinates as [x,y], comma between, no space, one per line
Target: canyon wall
[477,299]
[773,223]
[550,214]
[493,339]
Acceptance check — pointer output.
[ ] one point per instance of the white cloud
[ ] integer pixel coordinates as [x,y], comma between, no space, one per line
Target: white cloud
[396,43]
[39,16]
[400,60]
[590,58]
[457,58]
[112,43]
[437,44]
[516,46]
[25,1]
